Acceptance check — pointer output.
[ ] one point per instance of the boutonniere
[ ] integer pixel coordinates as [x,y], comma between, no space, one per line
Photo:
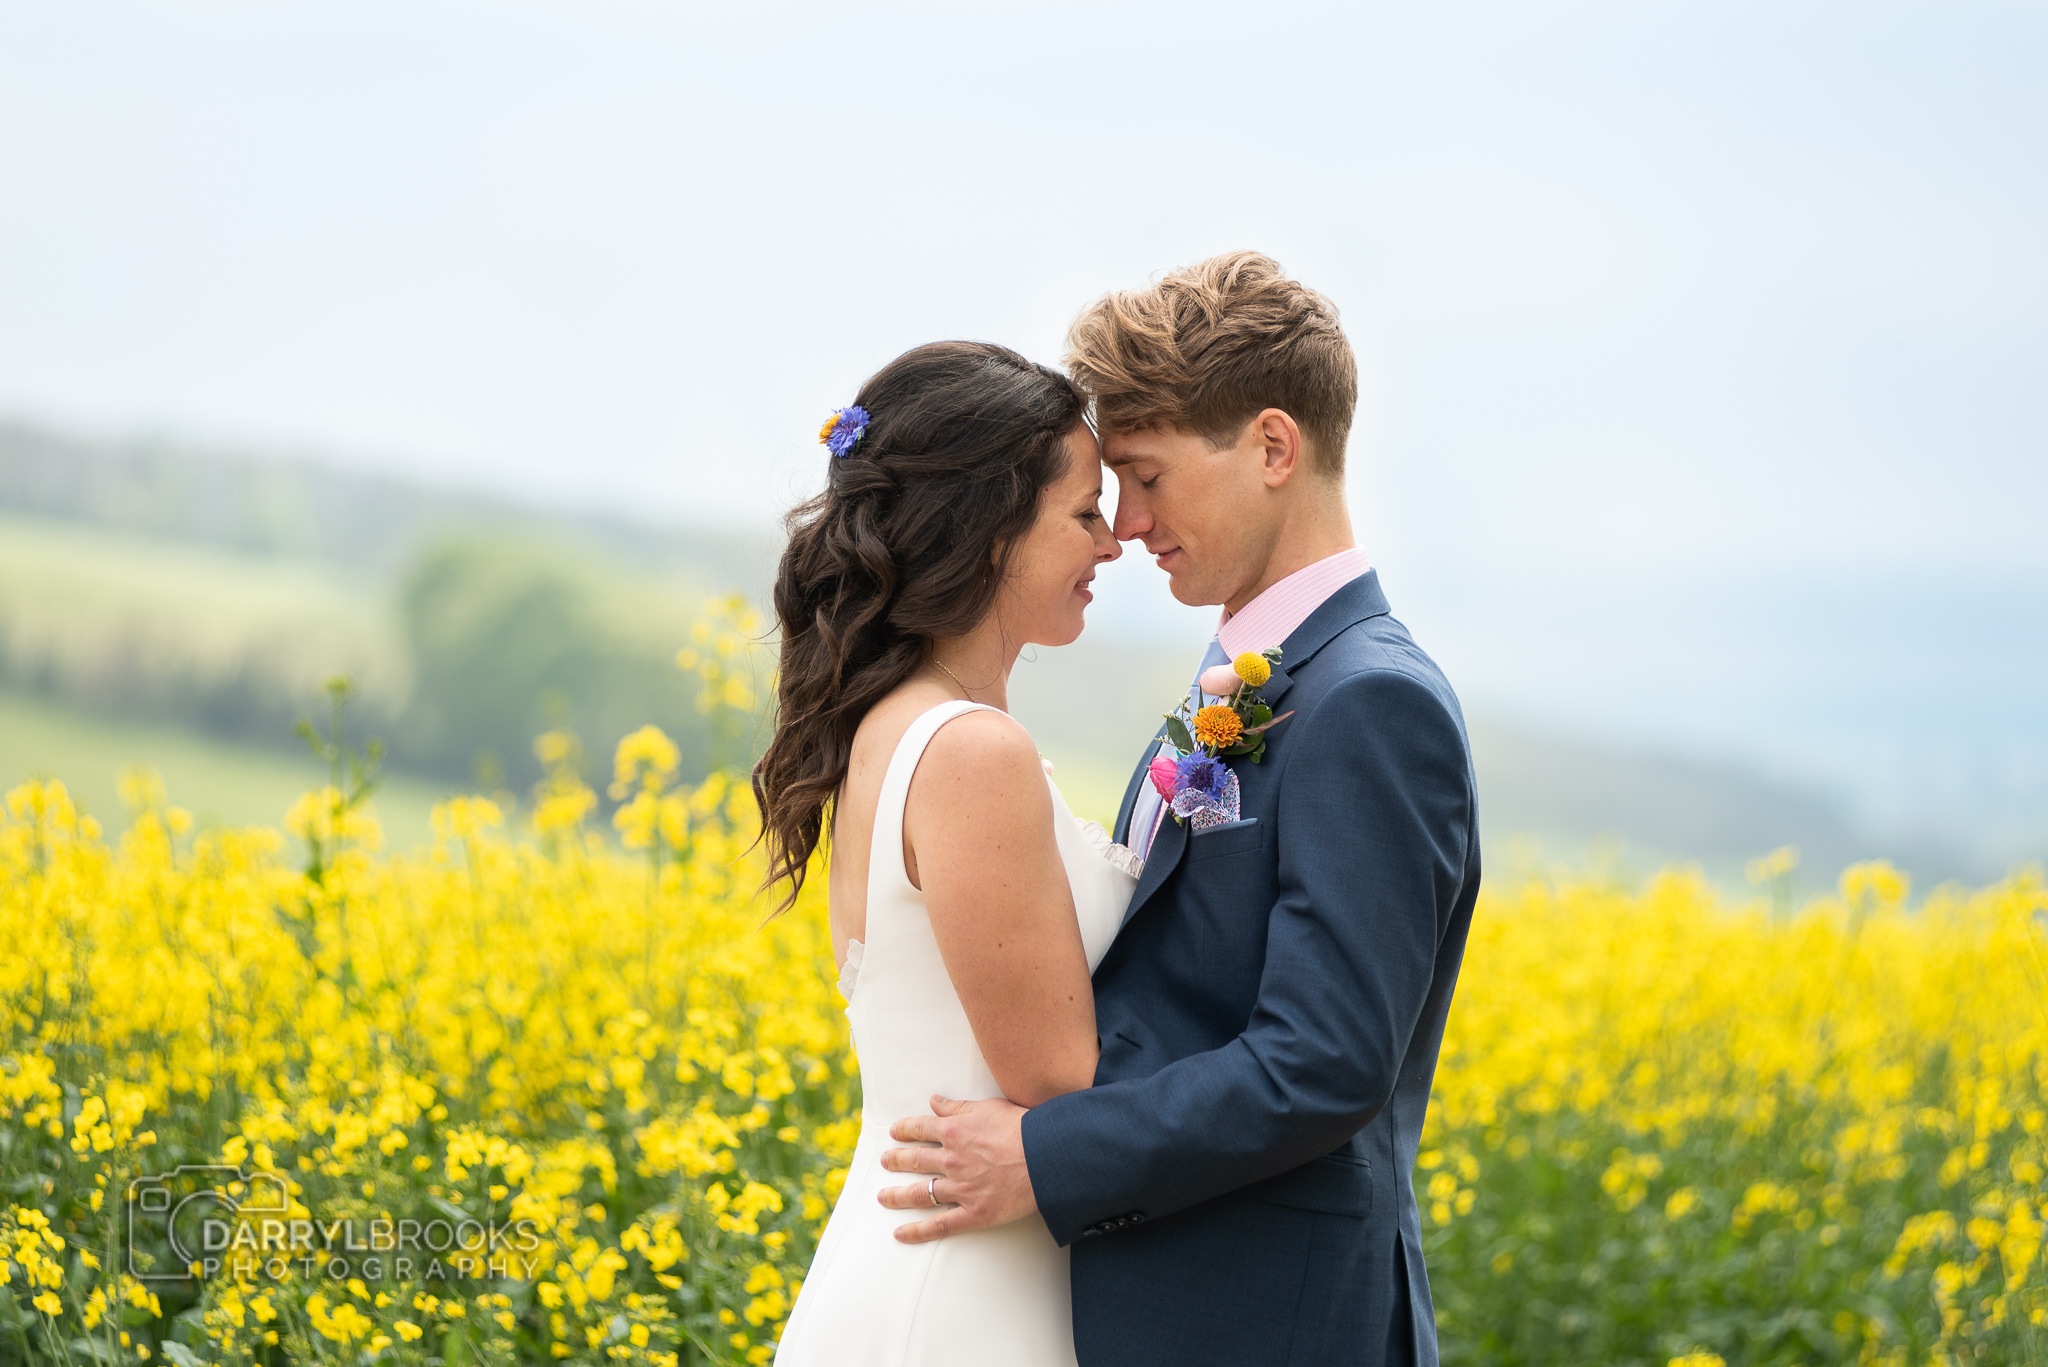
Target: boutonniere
[1199,785]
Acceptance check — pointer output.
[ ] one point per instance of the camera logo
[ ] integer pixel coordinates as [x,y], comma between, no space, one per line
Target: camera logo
[175,1217]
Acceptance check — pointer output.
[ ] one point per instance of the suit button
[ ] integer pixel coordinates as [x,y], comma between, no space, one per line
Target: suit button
[1136,1217]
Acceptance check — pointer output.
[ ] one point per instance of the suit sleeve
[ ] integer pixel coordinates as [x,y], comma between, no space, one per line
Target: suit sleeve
[1373,823]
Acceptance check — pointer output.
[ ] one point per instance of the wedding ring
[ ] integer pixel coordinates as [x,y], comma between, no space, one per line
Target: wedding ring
[931,1189]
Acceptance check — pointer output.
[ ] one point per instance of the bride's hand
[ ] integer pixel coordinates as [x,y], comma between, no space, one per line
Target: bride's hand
[980,1167]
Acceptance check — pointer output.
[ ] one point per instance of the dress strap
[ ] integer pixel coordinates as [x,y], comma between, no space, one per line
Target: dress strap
[886,876]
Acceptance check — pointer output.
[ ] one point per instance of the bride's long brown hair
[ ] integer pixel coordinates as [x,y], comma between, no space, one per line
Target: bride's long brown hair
[909,542]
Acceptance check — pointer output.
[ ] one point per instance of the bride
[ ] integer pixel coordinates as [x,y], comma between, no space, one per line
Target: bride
[960,521]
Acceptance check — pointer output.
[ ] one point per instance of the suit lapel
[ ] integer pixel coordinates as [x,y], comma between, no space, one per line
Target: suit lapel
[1275,688]
[1347,607]
[1167,848]
[1121,832]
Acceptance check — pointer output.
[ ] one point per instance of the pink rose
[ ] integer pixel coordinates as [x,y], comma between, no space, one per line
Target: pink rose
[1164,773]
[1219,681]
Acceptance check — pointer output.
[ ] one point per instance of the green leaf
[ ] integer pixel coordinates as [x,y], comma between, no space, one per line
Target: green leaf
[1267,726]
[178,1355]
[1177,732]
[1261,714]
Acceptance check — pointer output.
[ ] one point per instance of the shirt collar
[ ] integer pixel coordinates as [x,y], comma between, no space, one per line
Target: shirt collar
[1271,617]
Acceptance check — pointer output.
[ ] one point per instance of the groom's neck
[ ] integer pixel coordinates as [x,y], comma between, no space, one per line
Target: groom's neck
[1313,533]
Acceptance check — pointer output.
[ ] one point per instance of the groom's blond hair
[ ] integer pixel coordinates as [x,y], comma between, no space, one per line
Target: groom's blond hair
[1209,346]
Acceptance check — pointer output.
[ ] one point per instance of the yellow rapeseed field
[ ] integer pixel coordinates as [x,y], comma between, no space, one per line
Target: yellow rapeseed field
[566,1094]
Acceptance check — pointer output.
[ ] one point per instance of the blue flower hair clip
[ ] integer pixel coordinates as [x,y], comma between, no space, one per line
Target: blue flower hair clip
[843,430]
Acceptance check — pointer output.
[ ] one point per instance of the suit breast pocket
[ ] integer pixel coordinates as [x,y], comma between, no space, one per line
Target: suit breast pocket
[1233,837]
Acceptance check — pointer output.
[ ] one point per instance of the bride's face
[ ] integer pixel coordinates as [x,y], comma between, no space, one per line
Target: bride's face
[1047,591]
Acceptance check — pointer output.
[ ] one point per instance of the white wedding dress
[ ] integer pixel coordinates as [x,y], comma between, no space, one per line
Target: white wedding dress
[996,1297]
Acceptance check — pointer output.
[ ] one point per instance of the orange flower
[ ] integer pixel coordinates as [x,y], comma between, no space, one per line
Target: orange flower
[1217,725]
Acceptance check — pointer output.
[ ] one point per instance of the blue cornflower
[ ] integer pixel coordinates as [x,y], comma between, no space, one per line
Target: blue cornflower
[1199,773]
[843,429]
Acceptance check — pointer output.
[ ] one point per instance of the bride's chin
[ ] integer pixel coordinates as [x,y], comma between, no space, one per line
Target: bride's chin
[1067,634]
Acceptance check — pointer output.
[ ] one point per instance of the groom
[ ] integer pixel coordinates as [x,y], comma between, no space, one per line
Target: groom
[1237,1185]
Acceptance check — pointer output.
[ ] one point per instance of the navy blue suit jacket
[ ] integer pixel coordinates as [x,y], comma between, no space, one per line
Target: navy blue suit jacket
[1236,1186]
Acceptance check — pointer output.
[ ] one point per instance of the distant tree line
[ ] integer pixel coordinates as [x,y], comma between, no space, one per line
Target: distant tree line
[218,591]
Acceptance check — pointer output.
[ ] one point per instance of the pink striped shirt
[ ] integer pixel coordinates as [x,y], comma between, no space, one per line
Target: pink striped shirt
[1270,618]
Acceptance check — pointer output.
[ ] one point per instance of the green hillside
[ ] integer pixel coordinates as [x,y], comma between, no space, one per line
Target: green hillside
[480,641]
[232,642]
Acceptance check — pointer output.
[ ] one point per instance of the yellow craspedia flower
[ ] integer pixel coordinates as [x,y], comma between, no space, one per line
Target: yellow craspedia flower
[1253,668]
[1217,725]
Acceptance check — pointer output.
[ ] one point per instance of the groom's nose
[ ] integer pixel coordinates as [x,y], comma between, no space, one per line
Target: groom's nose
[1133,519]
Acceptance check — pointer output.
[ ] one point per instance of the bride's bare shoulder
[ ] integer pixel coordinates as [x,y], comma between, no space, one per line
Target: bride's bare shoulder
[876,738]
[983,737]
[977,765]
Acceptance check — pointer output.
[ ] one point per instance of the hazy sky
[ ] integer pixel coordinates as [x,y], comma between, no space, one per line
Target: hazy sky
[1678,301]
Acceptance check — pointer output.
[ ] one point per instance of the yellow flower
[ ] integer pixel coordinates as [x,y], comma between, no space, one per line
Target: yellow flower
[606,1025]
[826,430]
[647,759]
[1253,668]
[1217,725]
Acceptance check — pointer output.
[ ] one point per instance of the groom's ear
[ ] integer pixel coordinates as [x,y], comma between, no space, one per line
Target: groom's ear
[1278,440]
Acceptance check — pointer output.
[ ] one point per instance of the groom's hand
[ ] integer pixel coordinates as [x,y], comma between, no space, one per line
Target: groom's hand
[979,1164]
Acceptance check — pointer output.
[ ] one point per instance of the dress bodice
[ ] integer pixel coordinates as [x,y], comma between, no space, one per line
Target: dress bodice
[869,1300]
[910,1030]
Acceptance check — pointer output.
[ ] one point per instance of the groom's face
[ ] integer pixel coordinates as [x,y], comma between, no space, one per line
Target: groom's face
[1204,513]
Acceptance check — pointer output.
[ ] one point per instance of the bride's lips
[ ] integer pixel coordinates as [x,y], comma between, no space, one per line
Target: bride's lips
[1081,587]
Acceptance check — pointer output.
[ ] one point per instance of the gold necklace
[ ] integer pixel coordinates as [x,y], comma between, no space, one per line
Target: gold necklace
[954,677]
